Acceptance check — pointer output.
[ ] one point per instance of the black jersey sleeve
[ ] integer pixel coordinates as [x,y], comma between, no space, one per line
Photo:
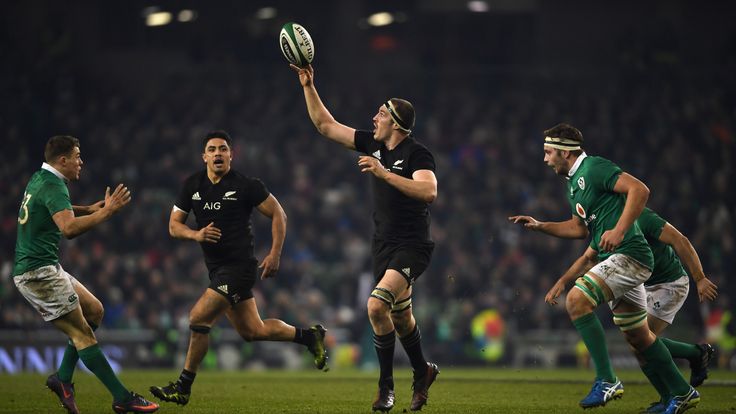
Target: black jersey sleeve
[421,159]
[184,200]
[256,191]
[364,142]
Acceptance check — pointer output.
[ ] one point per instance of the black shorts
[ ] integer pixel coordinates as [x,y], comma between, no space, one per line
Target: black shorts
[234,282]
[409,259]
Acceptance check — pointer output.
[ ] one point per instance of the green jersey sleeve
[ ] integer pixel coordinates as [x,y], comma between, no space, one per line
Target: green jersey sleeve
[56,198]
[651,224]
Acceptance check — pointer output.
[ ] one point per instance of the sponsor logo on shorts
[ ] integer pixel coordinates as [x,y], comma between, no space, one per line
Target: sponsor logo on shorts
[377,154]
[407,271]
[72,298]
[222,288]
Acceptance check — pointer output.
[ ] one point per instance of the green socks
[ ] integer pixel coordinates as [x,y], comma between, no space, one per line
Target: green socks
[96,362]
[658,384]
[681,349]
[659,360]
[594,337]
[69,361]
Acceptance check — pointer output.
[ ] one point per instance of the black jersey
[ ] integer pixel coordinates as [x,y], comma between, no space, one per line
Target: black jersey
[396,216]
[228,204]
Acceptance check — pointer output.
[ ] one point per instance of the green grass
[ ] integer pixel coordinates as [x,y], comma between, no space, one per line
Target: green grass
[340,391]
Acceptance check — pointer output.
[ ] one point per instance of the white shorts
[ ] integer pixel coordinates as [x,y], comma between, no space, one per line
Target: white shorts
[50,290]
[665,299]
[625,277]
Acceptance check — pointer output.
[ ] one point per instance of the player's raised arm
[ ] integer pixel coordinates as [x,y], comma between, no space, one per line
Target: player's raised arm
[179,230]
[570,229]
[318,113]
[637,195]
[689,256]
[271,208]
[71,226]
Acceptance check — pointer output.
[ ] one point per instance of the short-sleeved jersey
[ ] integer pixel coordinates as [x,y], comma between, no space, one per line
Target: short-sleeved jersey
[396,216]
[667,266]
[592,199]
[228,204]
[37,242]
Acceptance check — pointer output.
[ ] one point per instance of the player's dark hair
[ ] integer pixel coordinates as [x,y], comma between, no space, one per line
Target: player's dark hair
[219,133]
[566,131]
[405,111]
[59,145]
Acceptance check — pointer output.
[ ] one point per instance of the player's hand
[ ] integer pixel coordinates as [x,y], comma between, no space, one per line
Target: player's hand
[554,293]
[306,74]
[528,221]
[610,240]
[372,165]
[706,289]
[93,208]
[270,265]
[208,234]
[117,200]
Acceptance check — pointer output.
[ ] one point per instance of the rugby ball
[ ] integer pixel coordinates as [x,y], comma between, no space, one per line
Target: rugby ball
[296,44]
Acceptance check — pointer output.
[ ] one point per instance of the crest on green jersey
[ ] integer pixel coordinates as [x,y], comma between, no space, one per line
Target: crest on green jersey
[581,182]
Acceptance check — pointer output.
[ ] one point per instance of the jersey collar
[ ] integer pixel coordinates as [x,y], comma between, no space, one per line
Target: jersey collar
[575,166]
[54,171]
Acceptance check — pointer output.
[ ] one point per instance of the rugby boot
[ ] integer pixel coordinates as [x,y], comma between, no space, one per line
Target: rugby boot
[699,366]
[318,348]
[681,403]
[421,386]
[601,393]
[173,392]
[384,401]
[136,404]
[64,391]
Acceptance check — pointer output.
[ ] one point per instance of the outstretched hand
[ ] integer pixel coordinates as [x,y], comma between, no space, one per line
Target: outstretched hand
[117,200]
[528,221]
[306,74]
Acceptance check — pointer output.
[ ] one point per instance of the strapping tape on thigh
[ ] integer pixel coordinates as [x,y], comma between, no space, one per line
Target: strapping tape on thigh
[384,295]
[628,321]
[590,289]
[401,306]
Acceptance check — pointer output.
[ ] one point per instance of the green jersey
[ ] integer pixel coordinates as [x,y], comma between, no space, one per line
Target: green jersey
[37,243]
[591,196]
[667,266]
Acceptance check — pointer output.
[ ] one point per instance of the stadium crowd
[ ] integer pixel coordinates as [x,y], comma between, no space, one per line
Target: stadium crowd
[674,130]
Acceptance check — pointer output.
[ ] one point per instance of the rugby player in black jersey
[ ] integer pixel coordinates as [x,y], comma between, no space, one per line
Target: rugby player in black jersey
[404,185]
[222,201]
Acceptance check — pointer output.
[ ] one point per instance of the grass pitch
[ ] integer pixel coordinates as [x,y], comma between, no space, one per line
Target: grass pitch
[339,391]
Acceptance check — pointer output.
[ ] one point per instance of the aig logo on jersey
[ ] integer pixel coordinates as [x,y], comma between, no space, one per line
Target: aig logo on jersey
[581,183]
[212,205]
[580,210]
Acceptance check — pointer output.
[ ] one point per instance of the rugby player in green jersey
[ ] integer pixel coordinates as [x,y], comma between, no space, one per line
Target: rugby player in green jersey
[46,214]
[666,291]
[605,203]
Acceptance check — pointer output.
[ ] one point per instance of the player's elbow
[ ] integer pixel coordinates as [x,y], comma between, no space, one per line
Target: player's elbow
[430,196]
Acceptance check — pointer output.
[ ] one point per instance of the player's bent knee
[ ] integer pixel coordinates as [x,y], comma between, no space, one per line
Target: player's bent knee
[629,323]
[377,309]
[202,329]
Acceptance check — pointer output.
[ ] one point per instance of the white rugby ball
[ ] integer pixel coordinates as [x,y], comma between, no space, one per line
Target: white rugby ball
[296,44]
